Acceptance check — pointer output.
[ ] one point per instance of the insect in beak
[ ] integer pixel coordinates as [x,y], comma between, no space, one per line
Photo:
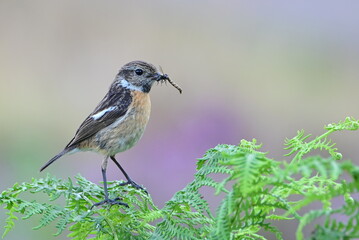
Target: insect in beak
[165,78]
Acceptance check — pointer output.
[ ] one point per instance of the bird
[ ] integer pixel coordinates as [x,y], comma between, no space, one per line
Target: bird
[118,121]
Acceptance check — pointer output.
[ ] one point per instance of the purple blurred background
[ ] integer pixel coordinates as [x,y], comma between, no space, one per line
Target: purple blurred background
[248,69]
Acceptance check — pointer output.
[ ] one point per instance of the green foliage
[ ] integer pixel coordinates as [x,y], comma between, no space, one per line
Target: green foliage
[257,192]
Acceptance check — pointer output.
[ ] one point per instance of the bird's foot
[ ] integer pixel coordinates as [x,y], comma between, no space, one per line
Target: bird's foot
[111,202]
[133,184]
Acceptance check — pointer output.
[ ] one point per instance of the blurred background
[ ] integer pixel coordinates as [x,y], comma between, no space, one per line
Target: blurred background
[248,69]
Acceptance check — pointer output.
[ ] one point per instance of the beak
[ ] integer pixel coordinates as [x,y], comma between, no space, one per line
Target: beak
[160,77]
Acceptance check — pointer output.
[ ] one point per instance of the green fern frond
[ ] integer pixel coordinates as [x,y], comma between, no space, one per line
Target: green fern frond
[350,124]
[316,165]
[10,221]
[223,228]
[50,213]
[62,223]
[247,169]
[307,219]
[78,200]
[334,228]
[249,146]
[81,230]
[256,190]
[297,143]
[33,209]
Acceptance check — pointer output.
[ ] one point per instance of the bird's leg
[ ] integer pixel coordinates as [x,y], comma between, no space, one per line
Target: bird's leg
[129,180]
[107,200]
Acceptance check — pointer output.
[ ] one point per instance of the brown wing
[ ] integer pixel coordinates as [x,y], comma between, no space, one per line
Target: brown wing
[113,106]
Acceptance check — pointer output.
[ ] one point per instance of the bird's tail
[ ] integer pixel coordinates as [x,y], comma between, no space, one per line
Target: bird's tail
[66,150]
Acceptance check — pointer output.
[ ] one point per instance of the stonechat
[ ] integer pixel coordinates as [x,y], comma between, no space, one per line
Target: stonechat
[119,120]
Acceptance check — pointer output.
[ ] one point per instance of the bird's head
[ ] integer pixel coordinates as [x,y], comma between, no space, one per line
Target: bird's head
[139,75]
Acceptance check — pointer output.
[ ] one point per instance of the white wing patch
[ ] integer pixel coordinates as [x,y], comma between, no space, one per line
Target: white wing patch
[103,112]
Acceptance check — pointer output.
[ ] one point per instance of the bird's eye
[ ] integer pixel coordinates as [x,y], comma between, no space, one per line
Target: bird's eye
[139,71]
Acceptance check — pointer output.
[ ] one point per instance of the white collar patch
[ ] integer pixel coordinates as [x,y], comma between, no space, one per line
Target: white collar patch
[124,83]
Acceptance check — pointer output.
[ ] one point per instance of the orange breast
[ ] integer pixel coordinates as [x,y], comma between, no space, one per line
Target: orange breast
[124,133]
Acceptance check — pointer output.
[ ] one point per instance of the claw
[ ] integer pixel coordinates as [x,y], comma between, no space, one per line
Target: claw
[133,184]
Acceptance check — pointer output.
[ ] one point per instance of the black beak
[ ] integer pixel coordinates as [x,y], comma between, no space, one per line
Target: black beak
[161,77]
